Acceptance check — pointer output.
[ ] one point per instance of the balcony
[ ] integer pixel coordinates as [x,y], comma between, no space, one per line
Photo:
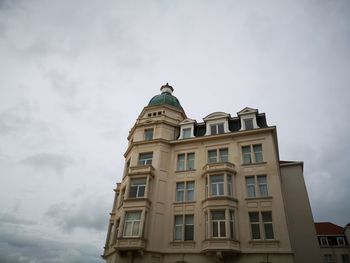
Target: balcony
[219,167]
[224,245]
[129,244]
[141,170]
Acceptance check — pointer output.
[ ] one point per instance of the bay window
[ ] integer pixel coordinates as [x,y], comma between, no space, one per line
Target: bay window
[132,224]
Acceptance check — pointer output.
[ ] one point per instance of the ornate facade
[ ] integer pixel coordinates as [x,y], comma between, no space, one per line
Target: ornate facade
[214,191]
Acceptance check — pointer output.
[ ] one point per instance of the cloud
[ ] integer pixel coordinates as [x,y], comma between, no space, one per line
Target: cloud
[16,246]
[13,219]
[49,161]
[91,214]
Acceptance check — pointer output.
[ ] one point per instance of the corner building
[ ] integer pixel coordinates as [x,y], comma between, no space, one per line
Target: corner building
[214,191]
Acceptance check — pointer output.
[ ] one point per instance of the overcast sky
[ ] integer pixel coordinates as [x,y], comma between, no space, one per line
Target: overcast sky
[74,75]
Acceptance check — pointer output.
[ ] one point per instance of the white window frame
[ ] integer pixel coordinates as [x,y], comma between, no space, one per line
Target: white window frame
[217,128]
[324,241]
[217,185]
[328,258]
[182,227]
[256,185]
[187,164]
[186,133]
[262,224]
[227,222]
[139,186]
[219,156]
[186,190]
[145,161]
[252,154]
[218,223]
[133,223]
[342,241]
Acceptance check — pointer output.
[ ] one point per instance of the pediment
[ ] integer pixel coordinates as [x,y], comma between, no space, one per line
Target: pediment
[247,110]
[216,115]
[187,121]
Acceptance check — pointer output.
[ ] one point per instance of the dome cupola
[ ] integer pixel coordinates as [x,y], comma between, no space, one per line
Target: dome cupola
[165,97]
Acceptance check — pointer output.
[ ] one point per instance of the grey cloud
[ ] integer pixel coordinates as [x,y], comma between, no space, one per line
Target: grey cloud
[15,118]
[50,161]
[89,214]
[13,219]
[16,247]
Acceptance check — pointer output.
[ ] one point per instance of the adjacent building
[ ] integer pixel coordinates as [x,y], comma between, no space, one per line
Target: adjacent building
[211,191]
[334,242]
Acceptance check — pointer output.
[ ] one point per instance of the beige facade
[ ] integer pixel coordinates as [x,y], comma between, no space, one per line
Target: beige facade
[205,192]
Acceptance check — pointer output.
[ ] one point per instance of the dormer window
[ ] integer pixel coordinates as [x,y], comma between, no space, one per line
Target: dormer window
[217,128]
[248,119]
[248,123]
[186,133]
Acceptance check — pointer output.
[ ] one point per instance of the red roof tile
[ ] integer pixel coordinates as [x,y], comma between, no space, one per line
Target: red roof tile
[327,228]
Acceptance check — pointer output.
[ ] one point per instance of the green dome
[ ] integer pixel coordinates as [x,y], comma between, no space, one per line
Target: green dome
[165,98]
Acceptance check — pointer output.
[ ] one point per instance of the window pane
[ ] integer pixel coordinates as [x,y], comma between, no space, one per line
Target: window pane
[213,129]
[128,228]
[133,215]
[148,134]
[135,230]
[248,124]
[221,189]
[255,231]
[190,161]
[268,231]
[180,162]
[215,229]
[190,191]
[145,158]
[223,155]
[186,133]
[222,229]
[246,155]
[133,191]
[218,215]
[220,128]
[229,185]
[189,232]
[254,217]
[178,232]
[250,182]
[258,153]
[217,179]
[262,185]
[212,156]
[141,192]
[266,216]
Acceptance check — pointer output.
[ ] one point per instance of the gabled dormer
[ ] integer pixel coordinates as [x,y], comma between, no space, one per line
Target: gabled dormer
[247,118]
[187,129]
[216,123]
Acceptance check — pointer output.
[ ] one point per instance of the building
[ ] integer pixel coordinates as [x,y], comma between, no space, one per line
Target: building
[334,242]
[214,191]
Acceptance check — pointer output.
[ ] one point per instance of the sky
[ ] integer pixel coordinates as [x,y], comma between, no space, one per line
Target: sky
[75,75]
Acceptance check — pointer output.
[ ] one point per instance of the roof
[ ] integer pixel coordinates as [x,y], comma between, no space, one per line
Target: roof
[165,98]
[327,228]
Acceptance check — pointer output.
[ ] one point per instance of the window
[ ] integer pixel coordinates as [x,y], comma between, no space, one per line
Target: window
[328,258]
[186,133]
[132,224]
[248,123]
[324,241]
[137,188]
[262,186]
[218,223]
[145,158]
[184,191]
[345,258]
[218,155]
[122,196]
[257,156]
[256,224]
[217,185]
[183,227]
[185,161]
[148,134]
[217,128]
[220,220]
[341,241]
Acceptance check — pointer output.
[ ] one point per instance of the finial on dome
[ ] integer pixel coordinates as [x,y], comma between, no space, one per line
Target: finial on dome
[166,88]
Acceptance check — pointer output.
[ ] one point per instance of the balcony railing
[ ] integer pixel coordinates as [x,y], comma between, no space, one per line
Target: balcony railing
[214,245]
[127,244]
[141,170]
[219,167]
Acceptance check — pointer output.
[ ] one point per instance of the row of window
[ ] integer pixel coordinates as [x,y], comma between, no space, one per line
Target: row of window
[186,161]
[332,241]
[218,224]
[328,258]
[215,129]
[218,185]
